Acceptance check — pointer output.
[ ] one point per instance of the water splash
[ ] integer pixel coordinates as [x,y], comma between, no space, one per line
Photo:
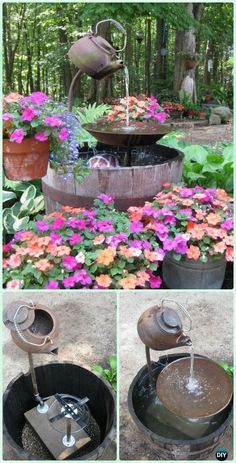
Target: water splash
[126,72]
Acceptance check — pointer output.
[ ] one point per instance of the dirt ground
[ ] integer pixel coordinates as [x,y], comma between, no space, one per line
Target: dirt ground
[212,335]
[87,336]
[208,135]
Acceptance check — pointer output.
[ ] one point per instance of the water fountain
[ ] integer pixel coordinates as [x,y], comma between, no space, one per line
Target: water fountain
[67,410]
[181,403]
[144,165]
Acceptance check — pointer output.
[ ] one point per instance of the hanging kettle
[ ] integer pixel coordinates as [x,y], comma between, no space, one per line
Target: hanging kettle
[94,56]
[160,328]
[34,327]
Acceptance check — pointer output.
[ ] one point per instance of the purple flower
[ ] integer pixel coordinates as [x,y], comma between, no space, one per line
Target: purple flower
[56,238]
[168,245]
[80,224]
[116,239]
[19,234]
[58,223]
[28,114]
[227,224]
[52,284]
[180,244]
[136,226]
[187,212]
[17,135]
[70,263]
[75,239]
[146,244]
[147,210]
[83,278]
[69,282]
[7,116]
[104,226]
[52,121]
[38,98]
[42,226]
[161,231]
[106,199]
[186,192]
[138,244]
[90,214]
[155,282]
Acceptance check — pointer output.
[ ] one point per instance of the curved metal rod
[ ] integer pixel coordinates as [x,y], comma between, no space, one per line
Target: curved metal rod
[119,26]
[182,308]
[70,94]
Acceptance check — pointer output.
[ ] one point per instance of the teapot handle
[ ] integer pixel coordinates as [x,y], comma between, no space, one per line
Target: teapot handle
[19,331]
[182,308]
[119,26]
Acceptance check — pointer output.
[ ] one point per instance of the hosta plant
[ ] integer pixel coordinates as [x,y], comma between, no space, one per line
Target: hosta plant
[110,373]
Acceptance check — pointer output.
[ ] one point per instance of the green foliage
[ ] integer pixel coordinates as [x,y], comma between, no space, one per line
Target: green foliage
[110,374]
[227,368]
[28,201]
[204,165]
[87,115]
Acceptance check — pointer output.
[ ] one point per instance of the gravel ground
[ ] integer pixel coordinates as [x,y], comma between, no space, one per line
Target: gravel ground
[87,336]
[212,335]
[207,135]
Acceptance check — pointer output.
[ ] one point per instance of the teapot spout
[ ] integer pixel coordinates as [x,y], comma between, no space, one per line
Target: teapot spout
[184,340]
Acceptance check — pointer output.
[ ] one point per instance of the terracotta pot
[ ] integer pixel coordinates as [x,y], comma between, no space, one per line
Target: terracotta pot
[202,115]
[191,64]
[27,160]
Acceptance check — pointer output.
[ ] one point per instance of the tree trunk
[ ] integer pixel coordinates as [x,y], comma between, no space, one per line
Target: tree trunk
[186,42]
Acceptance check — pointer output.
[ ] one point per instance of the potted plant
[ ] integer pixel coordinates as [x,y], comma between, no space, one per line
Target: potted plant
[30,124]
[191,59]
[195,227]
[174,109]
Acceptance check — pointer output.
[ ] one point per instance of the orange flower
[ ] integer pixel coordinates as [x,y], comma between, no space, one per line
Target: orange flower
[55,250]
[44,265]
[142,278]
[229,254]
[193,252]
[35,251]
[125,252]
[40,241]
[197,232]
[57,215]
[128,282]
[152,256]
[104,280]
[219,247]
[27,236]
[221,194]
[229,240]
[106,257]
[187,202]
[200,214]
[135,213]
[99,239]
[213,218]
[72,210]
[22,251]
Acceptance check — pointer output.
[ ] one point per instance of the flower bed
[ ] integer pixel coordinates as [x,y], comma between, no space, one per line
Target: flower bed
[102,248]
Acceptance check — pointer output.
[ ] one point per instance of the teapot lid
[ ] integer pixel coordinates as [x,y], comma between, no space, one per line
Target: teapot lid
[18,313]
[170,321]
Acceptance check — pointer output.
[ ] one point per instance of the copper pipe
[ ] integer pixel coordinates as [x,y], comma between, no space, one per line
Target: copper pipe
[34,380]
[149,366]
[70,94]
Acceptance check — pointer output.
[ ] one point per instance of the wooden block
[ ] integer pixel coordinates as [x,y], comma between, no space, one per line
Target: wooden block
[51,438]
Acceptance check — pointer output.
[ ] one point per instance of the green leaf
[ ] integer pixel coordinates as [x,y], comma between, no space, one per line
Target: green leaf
[177,256]
[112,361]
[30,193]
[7,195]
[195,153]
[8,222]
[20,224]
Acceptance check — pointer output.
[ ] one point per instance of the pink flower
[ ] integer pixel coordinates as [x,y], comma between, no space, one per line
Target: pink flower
[63,134]
[52,284]
[38,98]
[17,135]
[161,117]
[14,284]
[58,223]
[40,136]
[42,226]
[80,258]
[74,239]
[53,121]
[7,116]
[14,261]
[69,282]
[28,114]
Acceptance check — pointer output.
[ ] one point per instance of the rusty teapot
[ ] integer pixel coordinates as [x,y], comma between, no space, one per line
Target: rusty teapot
[34,327]
[160,328]
[94,56]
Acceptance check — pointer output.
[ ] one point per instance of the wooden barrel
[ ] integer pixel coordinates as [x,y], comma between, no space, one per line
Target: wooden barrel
[131,186]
